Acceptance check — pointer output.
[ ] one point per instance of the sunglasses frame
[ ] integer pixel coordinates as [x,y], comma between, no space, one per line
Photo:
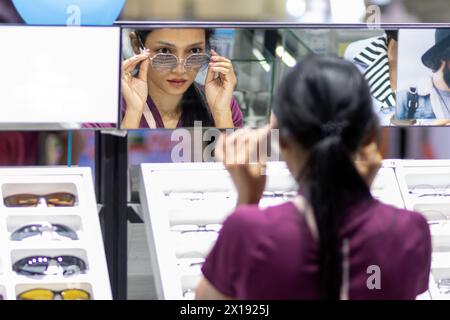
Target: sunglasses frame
[38,197]
[43,227]
[54,292]
[18,265]
[183,61]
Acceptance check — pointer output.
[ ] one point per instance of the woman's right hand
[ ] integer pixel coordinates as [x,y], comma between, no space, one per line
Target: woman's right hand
[134,89]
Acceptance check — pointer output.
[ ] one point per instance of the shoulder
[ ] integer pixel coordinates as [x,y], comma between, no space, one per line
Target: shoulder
[403,222]
[253,220]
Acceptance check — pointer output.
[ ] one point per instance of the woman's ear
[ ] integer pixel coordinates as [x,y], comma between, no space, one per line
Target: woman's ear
[135,43]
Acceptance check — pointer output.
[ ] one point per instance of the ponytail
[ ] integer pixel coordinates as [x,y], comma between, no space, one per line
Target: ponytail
[330,171]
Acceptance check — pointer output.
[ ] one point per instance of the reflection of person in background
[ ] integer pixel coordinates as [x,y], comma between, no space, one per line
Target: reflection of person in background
[23,148]
[320,244]
[376,58]
[430,100]
[164,95]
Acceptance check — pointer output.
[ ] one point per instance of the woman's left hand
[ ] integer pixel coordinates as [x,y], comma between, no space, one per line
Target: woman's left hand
[219,90]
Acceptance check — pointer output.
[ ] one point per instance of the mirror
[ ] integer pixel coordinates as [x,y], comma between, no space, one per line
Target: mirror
[59,78]
[180,88]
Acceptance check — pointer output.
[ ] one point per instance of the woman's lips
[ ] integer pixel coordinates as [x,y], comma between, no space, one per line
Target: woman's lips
[177,82]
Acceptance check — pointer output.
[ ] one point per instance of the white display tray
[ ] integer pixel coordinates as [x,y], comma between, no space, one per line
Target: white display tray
[418,181]
[82,218]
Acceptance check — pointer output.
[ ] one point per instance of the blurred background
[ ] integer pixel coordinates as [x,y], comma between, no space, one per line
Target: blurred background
[418,143]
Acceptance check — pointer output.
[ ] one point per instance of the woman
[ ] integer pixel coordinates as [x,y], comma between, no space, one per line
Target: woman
[164,94]
[334,241]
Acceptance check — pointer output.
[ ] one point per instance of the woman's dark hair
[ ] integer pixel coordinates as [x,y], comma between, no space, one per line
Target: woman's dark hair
[194,106]
[324,104]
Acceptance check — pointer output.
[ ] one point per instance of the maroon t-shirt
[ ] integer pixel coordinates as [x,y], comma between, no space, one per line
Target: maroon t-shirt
[271,254]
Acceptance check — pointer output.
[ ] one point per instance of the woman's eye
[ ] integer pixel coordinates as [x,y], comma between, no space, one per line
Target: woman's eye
[164,50]
[196,50]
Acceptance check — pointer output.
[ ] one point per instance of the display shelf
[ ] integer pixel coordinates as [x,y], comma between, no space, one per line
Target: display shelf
[72,230]
[423,185]
[184,205]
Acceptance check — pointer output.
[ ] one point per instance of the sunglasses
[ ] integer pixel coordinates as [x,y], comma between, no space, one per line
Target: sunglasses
[40,229]
[47,294]
[44,265]
[57,199]
[183,228]
[169,61]
[444,286]
[426,190]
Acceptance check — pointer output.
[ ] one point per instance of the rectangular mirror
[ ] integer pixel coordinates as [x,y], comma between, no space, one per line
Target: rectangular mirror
[180,88]
[59,78]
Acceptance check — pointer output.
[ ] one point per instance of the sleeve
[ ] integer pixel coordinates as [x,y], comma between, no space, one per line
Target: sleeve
[229,257]
[236,113]
[424,250]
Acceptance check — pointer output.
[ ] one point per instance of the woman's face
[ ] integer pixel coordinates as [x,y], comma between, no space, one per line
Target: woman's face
[181,43]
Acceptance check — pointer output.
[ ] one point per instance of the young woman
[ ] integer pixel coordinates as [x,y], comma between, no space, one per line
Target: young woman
[333,241]
[163,94]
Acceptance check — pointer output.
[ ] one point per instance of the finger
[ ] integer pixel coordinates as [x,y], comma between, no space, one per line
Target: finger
[143,70]
[220,70]
[209,76]
[219,148]
[231,147]
[131,63]
[217,58]
[226,65]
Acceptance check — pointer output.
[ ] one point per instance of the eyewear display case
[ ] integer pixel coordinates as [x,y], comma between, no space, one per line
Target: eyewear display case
[51,244]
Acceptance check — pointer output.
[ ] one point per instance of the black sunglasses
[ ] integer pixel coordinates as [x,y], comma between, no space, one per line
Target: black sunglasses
[39,265]
[37,229]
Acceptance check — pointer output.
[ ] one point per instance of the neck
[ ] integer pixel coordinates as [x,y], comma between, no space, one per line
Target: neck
[439,82]
[166,104]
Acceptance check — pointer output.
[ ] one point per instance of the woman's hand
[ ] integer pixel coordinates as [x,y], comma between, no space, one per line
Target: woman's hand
[239,153]
[134,89]
[219,91]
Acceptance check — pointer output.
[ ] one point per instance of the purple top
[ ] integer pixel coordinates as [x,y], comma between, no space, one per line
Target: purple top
[271,254]
[235,112]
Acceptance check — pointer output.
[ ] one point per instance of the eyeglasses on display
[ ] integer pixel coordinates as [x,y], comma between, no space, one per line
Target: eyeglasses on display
[280,194]
[435,217]
[426,190]
[169,61]
[444,286]
[183,228]
[44,228]
[47,294]
[57,199]
[45,265]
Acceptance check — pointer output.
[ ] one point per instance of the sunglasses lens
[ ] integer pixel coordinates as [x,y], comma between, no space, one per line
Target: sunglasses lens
[197,61]
[60,199]
[75,294]
[37,294]
[22,200]
[26,232]
[164,62]
[71,265]
[31,265]
[65,231]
